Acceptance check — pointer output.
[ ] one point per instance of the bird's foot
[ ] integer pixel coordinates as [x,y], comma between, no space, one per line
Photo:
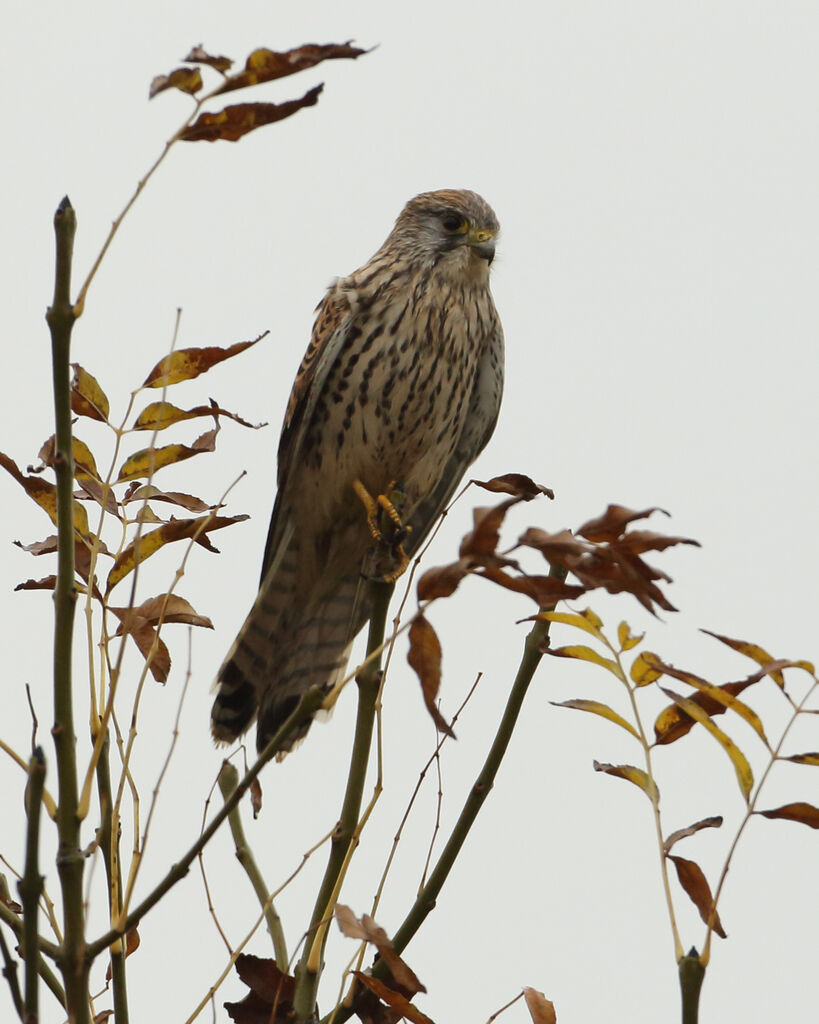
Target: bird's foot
[385,525]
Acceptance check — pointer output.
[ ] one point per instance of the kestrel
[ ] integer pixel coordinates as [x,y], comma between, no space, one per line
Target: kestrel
[400,387]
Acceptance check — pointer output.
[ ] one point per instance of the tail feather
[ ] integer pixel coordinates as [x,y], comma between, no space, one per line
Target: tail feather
[290,642]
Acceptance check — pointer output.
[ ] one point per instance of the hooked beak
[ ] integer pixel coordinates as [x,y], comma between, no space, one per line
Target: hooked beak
[482,243]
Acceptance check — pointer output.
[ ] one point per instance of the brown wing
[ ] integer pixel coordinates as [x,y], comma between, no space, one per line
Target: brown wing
[329,330]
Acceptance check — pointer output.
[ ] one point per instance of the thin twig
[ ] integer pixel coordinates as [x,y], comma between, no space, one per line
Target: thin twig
[30,885]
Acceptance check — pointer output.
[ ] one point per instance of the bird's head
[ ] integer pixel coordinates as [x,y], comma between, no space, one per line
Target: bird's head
[454,230]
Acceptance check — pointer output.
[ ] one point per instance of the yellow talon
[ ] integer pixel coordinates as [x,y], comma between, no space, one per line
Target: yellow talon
[373,508]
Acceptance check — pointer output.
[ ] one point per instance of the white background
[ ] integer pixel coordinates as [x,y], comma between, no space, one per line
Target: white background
[654,167]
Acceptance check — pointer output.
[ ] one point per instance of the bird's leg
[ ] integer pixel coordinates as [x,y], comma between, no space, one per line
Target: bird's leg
[385,525]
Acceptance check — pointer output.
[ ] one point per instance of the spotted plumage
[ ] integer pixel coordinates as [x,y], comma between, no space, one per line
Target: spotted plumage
[401,383]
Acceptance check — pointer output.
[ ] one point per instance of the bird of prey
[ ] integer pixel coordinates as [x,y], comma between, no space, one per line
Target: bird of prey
[400,387]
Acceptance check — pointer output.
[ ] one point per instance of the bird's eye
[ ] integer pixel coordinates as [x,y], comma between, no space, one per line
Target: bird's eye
[453,222]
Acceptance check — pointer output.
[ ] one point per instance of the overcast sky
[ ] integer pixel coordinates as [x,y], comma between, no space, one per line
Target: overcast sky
[654,168]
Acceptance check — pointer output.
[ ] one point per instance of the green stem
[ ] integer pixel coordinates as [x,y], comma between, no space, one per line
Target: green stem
[109,843]
[60,318]
[305,711]
[10,974]
[228,780]
[692,975]
[368,679]
[425,901]
[30,885]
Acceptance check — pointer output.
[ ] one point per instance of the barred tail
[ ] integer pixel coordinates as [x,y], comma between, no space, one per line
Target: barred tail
[290,642]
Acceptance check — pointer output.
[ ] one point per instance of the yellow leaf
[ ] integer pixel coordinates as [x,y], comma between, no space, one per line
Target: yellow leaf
[812,758]
[644,670]
[87,397]
[187,363]
[596,708]
[745,777]
[578,621]
[752,651]
[583,653]
[631,774]
[626,638]
[727,700]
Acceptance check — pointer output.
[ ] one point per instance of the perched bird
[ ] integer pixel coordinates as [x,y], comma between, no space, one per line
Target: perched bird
[400,386]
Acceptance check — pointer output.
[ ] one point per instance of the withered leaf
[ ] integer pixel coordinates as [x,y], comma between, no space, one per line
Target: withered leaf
[187,363]
[177,529]
[163,608]
[44,494]
[811,758]
[485,534]
[366,929]
[613,522]
[393,999]
[635,775]
[673,722]
[99,492]
[270,999]
[46,583]
[148,461]
[131,945]
[582,652]
[238,120]
[265,65]
[553,546]
[84,465]
[198,56]
[644,669]
[87,397]
[696,886]
[518,484]
[626,638]
[255,795]
[102,1016]
[149,492]
[744,774]
[424,658]
[442,580]
[545,591]
[541,1009]
[800,811]
[597,708]
[683,833]
[187,80]
[159,415]
[152,646]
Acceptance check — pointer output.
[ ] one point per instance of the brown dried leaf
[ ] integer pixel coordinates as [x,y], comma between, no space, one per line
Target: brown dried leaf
[393,999]
[517,484]
[152,646]
[102,1016]
[683,833]
[270,999]
[442,580]
[164,608]
[485,534]
[255,796]
[265,65]
[366,929]
[695,885]
[424,658]
[232,123]
[545,591]
[541,1009]
[804,813]
[46,583]
[131,945]
[613,522]
[87,397]
[148,461]
[177,529]
[198,56]
[187,363]
[631,774]
[187,80]
[85,467]
[555,547]
[151,493]
[159,415]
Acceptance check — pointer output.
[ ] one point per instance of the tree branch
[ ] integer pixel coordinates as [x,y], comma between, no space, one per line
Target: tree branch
[30,885]
[60,318]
